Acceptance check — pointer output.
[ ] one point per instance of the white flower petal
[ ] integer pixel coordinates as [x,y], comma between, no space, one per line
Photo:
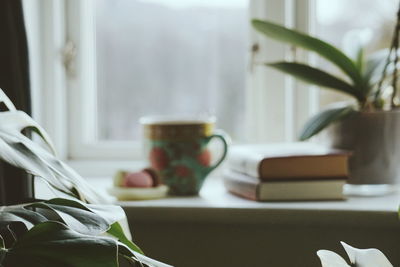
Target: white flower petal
[331,259]
[370,257]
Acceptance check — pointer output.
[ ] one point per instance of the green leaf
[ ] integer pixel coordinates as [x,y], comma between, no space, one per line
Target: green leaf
[14,150]
[360,60]
[110,213]
[322,48]
[79,220]
[84,218]
[320,121]
[315,76]
[19,121]
[117,231]
[53,244]
[76,216]
[69,203]
[28,217]
[20,151]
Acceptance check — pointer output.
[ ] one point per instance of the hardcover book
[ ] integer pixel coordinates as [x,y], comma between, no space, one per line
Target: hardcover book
[289,160]
[284,190]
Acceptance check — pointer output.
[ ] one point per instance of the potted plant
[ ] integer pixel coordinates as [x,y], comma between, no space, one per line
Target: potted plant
[369,128]
[62,231]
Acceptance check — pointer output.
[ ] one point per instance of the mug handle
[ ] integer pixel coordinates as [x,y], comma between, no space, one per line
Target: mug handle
[224,137]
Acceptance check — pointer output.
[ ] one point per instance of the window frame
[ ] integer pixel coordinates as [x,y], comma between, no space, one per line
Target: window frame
[82,120]
[296,102]
[66,110]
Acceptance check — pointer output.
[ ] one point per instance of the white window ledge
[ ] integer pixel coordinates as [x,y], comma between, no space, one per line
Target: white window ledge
[215,204]
[218,206]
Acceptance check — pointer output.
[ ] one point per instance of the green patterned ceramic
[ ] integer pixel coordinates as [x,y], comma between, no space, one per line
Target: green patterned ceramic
[178,151]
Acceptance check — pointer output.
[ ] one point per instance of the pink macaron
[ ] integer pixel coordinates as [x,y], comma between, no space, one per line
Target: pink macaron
[141,179]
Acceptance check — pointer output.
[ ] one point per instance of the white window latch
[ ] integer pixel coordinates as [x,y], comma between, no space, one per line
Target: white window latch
[69,53]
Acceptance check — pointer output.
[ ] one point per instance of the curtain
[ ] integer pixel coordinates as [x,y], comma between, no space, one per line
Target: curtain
[15,185]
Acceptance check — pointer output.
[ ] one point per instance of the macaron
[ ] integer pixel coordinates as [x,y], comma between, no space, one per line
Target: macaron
[138,179]
[154,175]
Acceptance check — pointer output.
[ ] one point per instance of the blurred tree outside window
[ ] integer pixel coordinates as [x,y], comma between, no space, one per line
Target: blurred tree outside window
[171,57]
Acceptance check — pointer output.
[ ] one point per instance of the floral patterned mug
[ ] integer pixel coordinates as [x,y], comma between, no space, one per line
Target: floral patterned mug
[177,148]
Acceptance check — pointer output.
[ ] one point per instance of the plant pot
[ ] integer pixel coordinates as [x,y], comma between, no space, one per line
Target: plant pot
[374,139]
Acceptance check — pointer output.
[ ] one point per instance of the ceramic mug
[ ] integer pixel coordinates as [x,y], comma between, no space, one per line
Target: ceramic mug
[177,148]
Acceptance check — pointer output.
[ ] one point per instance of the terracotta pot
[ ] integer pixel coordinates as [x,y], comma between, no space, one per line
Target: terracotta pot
[374,138]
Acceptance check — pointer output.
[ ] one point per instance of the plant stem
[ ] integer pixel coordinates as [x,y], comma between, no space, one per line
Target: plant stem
[393,47]
[396,58]
[379,90]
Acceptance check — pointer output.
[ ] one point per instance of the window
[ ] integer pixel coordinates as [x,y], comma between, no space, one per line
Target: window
[153,57]
[103,64]
[174,57]
[100,62]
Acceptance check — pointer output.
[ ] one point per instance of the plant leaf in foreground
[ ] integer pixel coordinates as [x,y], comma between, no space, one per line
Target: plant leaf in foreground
[53,244]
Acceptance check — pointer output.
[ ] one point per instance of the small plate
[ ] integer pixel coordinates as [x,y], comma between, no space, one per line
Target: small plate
[132,193]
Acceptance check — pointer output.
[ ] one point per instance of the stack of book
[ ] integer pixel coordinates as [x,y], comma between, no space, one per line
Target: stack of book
[284,172]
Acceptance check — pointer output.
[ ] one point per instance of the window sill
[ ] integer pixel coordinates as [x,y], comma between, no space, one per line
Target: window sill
[215,205]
